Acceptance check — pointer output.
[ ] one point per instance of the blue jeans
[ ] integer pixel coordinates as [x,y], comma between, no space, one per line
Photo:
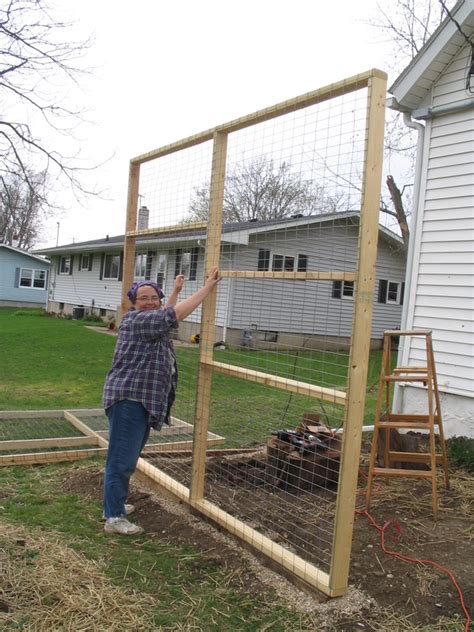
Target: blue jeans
[128,433]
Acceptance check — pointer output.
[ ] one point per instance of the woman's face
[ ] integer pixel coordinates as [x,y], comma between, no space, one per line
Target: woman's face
[147,299]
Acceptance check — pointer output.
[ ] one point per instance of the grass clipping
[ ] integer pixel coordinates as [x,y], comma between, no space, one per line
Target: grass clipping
[44,585]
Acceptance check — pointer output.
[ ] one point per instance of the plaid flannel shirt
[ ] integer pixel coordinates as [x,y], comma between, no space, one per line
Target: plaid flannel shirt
[144,364]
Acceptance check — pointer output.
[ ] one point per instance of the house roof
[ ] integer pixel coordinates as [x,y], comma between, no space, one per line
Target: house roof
[414,83]
[237,233]
[25,252]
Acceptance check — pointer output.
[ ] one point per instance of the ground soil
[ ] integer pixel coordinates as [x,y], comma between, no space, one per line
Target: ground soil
[391,593]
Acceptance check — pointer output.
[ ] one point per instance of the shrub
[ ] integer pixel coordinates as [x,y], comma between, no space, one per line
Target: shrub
[461,452]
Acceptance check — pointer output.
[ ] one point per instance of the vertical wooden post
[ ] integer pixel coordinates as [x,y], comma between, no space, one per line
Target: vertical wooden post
[361,333]
[129,247]
[214,228]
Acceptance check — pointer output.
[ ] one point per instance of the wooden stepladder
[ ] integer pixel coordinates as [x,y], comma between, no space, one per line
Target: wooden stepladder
[385,421]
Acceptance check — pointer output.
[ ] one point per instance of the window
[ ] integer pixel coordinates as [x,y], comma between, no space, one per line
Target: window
[65,265]
[263,260]
[111,266]
[283,263]
[343,289]
[85,262]
[161,271]
[391,292]
[26,277]
[186,263]
[140,266]
[33,278]
[302,263]
[270,336]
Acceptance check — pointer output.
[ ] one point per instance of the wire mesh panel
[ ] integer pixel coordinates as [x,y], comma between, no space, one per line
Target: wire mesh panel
[41,437]
[274,364]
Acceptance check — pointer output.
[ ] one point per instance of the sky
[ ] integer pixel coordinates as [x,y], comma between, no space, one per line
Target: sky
[163,71]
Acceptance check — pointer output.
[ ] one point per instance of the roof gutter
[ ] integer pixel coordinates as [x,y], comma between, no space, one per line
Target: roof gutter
[424,114]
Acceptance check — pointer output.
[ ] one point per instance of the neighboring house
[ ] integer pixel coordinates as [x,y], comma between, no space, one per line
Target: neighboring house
[88,275]
[438,89]
[23,278]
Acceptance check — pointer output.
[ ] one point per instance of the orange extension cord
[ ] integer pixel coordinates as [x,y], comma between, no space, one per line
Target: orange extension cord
[414,560]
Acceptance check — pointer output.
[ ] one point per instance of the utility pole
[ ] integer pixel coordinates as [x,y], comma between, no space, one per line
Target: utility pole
[57,235]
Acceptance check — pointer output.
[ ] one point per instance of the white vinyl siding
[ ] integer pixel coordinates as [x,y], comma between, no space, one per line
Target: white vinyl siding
[442,293]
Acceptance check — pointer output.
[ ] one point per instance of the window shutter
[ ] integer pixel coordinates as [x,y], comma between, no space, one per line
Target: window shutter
[382,298]
[337,289]
[71,264]
[17,277]
[263,264]
[177,266]
[59,265]
[90,261]
[102,263]
[402,293]
[194,262]
[79,262]
[120,274]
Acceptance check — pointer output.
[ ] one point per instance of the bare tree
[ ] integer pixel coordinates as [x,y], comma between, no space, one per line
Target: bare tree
[38,71]
[408,24]
[22,209]
[261,189]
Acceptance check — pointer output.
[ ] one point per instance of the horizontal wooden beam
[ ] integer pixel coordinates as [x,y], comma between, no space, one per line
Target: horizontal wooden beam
[31,414]
[286,384]
[277,553]
[52,442]
[165,230]
[394,472]
[49,457]
[346,86]
[292,276]
[172,446]
[303,570]
[414,457]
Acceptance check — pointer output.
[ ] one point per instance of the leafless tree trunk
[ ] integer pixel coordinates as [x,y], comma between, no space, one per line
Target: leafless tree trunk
[407,24]
[261,189]
[38,72]
[22,209]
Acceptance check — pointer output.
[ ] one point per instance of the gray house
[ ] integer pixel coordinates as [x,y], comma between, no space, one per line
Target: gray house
[287,313]
[436,95]
[23,278]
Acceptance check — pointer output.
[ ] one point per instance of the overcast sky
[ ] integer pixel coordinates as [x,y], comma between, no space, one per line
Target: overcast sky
[167,70]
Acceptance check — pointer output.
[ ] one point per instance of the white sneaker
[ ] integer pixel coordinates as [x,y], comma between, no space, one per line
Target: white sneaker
[121,526]
[129,509]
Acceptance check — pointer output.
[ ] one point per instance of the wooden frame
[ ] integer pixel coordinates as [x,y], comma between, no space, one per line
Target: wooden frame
[89,437]
[334,583]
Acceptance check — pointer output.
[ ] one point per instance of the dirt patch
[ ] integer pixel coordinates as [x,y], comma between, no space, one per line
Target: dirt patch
[386,593]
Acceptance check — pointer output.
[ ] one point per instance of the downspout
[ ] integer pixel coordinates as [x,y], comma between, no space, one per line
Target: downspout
[403,352]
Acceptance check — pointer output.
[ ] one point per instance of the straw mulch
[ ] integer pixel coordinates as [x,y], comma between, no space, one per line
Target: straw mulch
[44,586]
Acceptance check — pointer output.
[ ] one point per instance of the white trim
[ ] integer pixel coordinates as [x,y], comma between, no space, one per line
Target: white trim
[433,57]
[27,254]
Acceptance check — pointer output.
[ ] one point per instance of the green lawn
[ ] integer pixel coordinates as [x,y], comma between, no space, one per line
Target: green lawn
[50,363]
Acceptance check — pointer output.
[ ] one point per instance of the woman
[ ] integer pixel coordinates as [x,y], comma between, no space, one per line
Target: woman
[140,387]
